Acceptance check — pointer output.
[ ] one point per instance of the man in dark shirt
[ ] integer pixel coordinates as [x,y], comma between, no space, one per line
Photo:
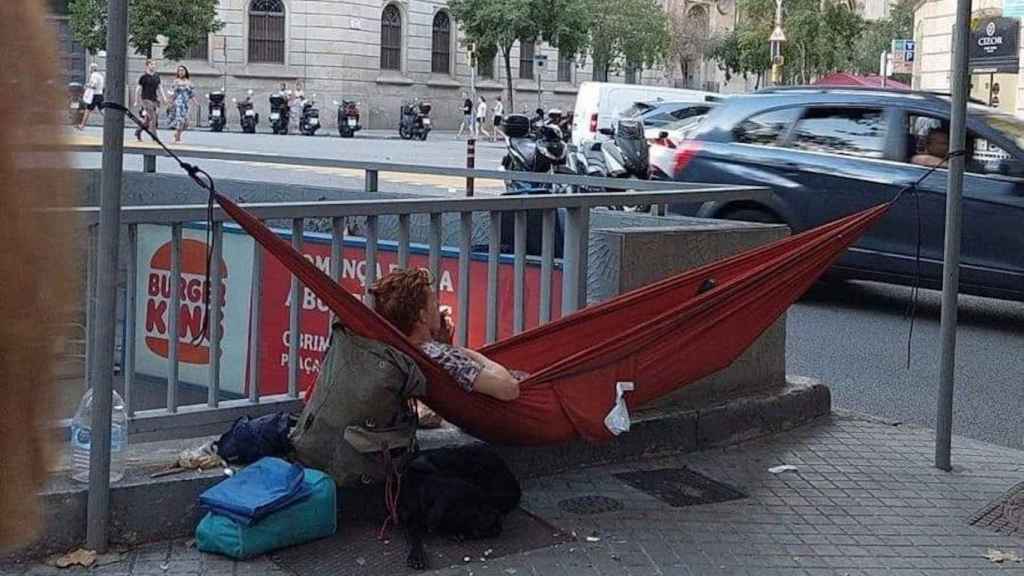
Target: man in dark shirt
[149,97]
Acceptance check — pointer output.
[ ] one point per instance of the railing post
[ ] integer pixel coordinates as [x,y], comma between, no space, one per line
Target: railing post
[571,260]
[371,184]
[149,163]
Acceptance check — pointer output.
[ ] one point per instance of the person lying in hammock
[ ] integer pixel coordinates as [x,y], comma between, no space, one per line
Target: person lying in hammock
[406,298]
[361,415]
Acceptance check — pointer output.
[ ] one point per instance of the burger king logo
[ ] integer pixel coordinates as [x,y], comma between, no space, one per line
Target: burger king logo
[192,289]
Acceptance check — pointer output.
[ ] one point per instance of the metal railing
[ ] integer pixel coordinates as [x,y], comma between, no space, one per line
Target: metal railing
[176,420]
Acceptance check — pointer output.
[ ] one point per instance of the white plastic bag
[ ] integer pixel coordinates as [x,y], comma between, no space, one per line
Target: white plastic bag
[617,421]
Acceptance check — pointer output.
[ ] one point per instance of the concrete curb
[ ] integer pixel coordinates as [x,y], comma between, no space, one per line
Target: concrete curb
[145,509]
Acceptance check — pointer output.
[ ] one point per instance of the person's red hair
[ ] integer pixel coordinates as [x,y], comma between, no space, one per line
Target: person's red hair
[400,297]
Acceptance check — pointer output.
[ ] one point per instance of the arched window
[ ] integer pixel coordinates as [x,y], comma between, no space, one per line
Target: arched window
[441,51]
[266,31]
[391,38]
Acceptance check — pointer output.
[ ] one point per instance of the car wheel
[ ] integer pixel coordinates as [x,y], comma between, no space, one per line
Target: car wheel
[752,215]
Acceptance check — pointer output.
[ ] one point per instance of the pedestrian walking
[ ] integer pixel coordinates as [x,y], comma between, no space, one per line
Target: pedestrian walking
[184,96]
[499,111]
[93,95]
[481,117]
[149,98]
[467,116]
[297,101]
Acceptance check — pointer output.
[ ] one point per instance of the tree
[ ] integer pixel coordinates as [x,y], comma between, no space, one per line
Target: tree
[494,26]
[878,37]
[183,24]
[627,32]
[821,38]
[689,35]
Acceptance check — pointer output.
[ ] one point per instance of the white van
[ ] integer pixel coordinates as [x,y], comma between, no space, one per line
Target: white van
[601,104]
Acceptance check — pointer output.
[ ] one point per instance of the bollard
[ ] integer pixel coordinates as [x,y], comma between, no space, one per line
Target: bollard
[470,163]
[148,163]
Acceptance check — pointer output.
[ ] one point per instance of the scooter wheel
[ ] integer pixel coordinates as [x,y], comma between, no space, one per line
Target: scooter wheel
[423,136]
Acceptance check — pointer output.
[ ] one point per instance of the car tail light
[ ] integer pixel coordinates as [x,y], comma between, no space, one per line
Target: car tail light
[593,122]
[685,152]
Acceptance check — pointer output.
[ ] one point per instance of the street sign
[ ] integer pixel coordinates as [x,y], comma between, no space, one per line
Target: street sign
[903,52]
[777,35]
[994,43]
[540,60]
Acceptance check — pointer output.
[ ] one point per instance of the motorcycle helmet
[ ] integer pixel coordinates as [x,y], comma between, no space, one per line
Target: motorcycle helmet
[550,144]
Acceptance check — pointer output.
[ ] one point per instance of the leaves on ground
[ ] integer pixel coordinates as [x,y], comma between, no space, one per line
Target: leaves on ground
[998,556]
[80,557]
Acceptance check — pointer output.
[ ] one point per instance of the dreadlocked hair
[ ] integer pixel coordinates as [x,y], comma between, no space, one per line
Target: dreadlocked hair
[400,297]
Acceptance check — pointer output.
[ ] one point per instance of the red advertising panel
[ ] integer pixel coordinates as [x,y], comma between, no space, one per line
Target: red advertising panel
[276,300]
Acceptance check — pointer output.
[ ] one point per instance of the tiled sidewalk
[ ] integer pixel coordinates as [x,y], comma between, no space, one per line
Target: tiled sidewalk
[864,499]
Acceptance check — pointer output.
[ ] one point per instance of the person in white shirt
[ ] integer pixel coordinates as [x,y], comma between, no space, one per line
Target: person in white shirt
[481,117]
[93,95]
[499,111]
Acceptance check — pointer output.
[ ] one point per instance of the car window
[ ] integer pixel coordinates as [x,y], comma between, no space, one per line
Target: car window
[637,109]
[928,145]
[689,112]
[858,132]
[765,129]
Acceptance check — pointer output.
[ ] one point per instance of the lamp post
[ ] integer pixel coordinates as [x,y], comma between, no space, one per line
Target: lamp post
[777,38]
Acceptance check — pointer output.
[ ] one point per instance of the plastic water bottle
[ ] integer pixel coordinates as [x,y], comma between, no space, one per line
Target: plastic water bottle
[81,438]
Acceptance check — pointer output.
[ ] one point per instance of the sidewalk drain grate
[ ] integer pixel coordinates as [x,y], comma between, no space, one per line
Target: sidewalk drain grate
[1005,514]
[680,487]
[588,505]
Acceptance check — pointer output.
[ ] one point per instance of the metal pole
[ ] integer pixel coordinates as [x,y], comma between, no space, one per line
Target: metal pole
[951,259]
[470,163]
[106,281]
[883,66]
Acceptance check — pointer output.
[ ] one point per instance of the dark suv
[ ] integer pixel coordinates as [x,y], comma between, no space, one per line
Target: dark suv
[826,153]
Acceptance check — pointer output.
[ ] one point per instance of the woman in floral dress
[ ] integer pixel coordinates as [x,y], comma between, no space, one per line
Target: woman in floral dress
[183,96]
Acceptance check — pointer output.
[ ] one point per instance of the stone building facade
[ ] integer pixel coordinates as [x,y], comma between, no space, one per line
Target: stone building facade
[933,31]
[383,53]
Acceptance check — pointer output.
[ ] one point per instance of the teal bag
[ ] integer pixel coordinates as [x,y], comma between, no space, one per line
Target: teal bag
[306,520]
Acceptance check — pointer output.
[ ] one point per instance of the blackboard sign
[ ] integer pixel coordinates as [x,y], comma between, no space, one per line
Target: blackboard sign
[994,43]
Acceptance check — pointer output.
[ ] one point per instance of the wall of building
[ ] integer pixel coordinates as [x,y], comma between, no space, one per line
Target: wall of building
[333,46]
[933,31]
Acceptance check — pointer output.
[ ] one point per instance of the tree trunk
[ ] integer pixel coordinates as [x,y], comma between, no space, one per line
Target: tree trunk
[507,54]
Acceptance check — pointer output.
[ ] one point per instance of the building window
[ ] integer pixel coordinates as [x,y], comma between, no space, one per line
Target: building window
[391,38]
[564,67]
[200,51]
[266,31]
[441,52]
[526,60]
[485,68]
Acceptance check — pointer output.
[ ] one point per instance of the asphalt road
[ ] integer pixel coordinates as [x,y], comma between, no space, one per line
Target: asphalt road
[441,149]
[852,336]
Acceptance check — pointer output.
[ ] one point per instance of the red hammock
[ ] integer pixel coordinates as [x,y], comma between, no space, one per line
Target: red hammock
[661,337]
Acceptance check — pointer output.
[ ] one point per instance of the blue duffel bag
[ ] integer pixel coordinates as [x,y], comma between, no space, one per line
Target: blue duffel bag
[308,519]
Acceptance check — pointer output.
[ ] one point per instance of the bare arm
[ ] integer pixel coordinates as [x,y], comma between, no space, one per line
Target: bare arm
[138,95]
[494,379]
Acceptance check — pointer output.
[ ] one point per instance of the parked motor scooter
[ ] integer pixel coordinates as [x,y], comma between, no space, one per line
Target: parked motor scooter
[309,122]
[625,156]
[75,106]
[544,153]
[415,121]
[348,118]
[247,115]
[217,111]
[280,112]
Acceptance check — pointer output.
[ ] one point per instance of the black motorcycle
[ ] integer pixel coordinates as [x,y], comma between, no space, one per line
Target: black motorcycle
[415,121]
[543,153]
[348,118]
[247,115]
[217,111]
[280,114]
[309,122]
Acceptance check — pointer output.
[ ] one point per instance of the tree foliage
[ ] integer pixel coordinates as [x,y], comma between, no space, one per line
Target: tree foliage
[182,24]
[494,27]
[821,38]
[878,37]
[628,33]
